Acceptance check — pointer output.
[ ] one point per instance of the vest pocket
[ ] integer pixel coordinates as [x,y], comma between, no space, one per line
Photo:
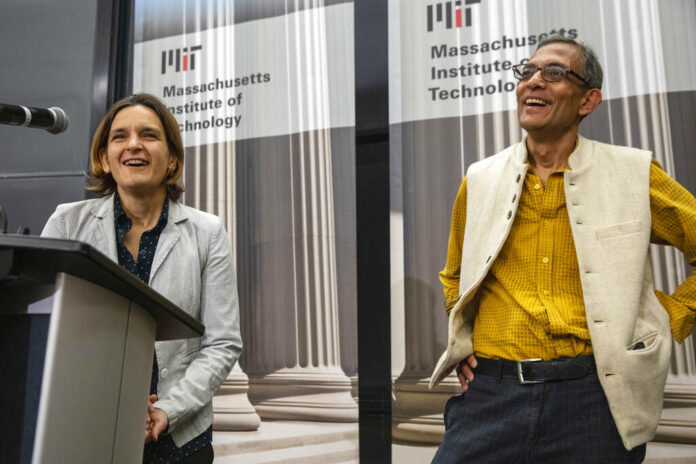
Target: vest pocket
[643,344]
[617,230]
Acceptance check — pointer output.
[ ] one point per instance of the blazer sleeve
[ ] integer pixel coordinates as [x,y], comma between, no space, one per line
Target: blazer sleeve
[55,226]
[221,344]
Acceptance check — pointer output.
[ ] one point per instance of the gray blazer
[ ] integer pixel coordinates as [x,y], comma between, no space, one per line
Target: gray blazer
[193,268]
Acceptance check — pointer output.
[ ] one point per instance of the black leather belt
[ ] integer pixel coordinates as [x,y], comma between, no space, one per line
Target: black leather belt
[536,370]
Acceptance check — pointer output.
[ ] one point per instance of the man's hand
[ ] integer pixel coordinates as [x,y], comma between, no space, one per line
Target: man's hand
[465,371]
[156,421]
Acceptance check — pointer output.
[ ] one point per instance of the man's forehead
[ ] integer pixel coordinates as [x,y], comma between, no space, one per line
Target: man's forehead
[556,53]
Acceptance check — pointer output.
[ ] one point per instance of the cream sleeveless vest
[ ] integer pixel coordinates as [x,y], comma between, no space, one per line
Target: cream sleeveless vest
[607,196]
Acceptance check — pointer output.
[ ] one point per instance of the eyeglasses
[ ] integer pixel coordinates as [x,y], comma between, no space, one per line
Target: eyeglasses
[551,73]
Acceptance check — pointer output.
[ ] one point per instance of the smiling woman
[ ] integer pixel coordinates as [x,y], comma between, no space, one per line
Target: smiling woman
[136,161]
[114,129]
[137,156]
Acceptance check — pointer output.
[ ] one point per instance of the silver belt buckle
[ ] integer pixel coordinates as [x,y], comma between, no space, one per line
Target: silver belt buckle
[520,375]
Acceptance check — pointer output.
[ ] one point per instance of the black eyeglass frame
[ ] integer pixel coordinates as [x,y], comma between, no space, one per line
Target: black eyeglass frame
[517,71]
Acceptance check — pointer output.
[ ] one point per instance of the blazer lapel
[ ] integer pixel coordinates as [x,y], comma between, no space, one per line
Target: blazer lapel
[169,236]
[104,232]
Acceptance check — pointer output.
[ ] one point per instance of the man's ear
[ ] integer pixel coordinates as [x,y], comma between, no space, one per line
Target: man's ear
[590,101]
[104,160]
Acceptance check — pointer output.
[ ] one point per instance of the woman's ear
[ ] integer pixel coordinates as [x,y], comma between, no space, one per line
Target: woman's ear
[104,160]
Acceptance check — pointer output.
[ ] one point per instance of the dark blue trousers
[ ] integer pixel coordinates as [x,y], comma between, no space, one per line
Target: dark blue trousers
[501,421]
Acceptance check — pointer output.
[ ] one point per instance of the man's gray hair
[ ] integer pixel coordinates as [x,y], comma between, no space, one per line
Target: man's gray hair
[593,70]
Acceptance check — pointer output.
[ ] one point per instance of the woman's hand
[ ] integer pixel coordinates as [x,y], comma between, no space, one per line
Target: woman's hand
[156,421]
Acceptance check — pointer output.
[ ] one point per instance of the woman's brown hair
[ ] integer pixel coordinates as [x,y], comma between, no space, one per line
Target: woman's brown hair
[102,182]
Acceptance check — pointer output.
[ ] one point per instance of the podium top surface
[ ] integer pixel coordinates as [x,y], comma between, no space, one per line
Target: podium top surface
[34,260]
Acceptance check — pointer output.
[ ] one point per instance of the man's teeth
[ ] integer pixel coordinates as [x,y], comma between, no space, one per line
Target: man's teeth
[536,102]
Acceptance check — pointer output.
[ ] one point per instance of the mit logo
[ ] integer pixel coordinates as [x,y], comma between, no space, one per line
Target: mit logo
[439,16]
[182,59]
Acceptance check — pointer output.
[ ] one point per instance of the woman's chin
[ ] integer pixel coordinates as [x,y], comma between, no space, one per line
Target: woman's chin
[140,189]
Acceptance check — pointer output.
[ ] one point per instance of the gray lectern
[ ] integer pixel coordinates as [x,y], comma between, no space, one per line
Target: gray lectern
[76,342]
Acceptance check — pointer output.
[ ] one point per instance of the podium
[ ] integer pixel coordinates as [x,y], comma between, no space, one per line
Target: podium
[77,337]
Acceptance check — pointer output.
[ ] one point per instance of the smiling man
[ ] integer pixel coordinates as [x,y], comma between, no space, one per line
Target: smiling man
[556,333]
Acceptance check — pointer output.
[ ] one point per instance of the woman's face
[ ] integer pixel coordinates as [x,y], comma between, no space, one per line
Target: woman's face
[137,154]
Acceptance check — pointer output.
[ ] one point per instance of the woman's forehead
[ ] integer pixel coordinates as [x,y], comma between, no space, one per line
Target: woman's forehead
[137,115]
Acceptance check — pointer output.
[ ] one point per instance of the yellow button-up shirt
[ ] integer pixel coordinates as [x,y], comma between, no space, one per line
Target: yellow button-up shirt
[530,305]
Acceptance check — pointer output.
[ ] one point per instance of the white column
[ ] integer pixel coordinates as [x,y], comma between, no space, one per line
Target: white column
[209,174]
[418,245]
[678,421]
[288,292]
[231,406]
[417,411]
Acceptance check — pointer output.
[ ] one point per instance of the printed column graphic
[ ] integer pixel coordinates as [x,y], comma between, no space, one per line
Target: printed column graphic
[287,248]
[270,149]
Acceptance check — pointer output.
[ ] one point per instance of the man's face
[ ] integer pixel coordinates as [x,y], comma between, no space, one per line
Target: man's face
[551,109]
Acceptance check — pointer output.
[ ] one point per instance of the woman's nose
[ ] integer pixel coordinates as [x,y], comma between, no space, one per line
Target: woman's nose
[134,143]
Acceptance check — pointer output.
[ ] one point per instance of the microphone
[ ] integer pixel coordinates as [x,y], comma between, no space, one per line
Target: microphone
[54,120]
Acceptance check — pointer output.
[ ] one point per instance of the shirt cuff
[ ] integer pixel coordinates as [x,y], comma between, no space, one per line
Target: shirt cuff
[451,301]
[681,318]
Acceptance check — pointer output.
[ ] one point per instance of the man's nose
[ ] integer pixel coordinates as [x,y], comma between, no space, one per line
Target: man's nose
[536,80]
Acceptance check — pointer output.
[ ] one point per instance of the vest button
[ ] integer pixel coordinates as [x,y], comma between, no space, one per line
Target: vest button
[164,373]
[509,215]
[519,176]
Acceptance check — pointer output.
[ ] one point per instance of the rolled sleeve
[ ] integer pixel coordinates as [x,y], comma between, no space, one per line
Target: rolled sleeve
[449,276]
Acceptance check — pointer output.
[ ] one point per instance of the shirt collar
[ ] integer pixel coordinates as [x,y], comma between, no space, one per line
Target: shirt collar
[566,166]
[123,223]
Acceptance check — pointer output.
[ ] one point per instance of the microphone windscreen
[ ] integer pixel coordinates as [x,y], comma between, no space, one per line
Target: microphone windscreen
[61,121]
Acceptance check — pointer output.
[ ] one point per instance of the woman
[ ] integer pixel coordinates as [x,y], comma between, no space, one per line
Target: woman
[136,160]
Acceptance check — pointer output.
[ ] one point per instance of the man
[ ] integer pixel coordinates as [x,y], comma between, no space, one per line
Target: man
[548,262]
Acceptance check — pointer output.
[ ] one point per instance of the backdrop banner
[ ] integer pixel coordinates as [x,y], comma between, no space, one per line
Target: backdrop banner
[264,96]
[270,76]
[452,102]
